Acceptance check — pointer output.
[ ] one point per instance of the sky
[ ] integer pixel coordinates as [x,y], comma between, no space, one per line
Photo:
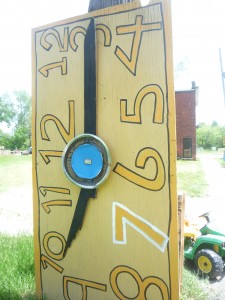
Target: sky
[198,33]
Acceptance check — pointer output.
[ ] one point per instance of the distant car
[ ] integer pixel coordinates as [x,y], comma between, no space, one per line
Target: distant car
[27,152]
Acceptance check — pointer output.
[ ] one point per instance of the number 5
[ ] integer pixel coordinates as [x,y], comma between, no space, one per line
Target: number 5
[136,116]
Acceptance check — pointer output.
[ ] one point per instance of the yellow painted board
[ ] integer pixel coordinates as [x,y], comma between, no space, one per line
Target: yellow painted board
[128,244]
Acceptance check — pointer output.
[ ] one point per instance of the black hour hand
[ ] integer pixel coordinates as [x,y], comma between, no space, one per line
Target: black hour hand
[78,215]
[89,128]
[86,158]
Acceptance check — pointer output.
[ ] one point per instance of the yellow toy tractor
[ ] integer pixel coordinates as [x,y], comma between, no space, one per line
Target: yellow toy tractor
[204,243]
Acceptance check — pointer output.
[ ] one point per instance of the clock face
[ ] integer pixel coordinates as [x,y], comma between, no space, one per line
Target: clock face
[127,245]
[86,161]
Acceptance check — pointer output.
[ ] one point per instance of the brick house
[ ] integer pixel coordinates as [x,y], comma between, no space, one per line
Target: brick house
[186,102]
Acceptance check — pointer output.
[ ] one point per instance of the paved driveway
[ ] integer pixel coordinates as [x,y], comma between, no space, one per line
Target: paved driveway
[215,177]
[16,211]
[213,201]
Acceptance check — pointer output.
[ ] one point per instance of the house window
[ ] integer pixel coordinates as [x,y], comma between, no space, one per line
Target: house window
[187,148]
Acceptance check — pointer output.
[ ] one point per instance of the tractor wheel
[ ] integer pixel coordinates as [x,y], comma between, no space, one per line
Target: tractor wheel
[209,263]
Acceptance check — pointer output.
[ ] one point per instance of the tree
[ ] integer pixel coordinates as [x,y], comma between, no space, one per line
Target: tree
[7,111]
[4,140]
[210,135]
[203,136]
[20,136]
[22,130]
[23,107]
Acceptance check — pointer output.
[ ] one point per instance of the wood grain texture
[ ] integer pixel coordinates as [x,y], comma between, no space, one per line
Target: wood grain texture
[128,245]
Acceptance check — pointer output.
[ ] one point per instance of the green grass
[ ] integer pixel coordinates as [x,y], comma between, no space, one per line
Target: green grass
[15,171]
[193,288]
[190,178]
[222,163]
[191,181]
[17,279]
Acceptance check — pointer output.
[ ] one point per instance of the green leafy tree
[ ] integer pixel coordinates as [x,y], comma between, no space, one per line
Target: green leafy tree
[203,133]
[210,135]
[23,108]
[22,131]
[4,139]
[20,136]
[7,111]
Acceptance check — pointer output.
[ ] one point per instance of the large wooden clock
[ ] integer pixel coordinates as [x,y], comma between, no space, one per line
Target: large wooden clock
[105,205]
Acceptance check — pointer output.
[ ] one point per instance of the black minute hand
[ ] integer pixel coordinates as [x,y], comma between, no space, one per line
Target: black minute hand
[89,123]
[90,80]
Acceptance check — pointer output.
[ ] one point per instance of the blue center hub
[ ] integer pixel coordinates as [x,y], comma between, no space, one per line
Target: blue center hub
[87,161]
